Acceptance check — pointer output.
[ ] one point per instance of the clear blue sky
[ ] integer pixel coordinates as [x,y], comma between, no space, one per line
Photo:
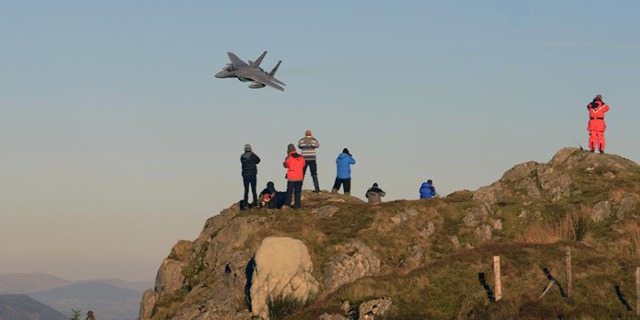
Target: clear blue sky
[117,141]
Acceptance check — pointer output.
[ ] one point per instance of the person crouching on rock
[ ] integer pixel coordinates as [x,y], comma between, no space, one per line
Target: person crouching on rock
[267,195]
[427,190]
[294,163]
[375,194]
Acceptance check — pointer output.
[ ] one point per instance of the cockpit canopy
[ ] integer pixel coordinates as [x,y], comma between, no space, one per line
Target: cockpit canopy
[228,68]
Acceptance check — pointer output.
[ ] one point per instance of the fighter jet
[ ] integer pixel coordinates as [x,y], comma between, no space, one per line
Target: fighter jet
[251,71]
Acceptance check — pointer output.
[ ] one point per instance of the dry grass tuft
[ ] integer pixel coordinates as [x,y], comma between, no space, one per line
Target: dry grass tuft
[538,234]
[573,227]
[629,243]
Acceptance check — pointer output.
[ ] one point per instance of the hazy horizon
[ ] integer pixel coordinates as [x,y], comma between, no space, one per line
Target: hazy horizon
[118,141]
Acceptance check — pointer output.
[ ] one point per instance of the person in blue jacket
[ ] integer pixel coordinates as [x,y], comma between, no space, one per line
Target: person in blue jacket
[427,190]
[343,163]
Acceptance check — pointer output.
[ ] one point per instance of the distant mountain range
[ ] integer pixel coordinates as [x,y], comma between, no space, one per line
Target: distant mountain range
[110,299]
[23,307]
[16,283]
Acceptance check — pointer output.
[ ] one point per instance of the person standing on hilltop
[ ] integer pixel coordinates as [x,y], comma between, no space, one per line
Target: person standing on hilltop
[596,127]
[343,177]
[427,190]
[249,161]
[308,145]
[294,163]
[375,194]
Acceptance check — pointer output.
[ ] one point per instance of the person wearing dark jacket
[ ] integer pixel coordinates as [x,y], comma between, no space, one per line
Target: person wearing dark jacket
[375,194]
[268,196]
[249,161]
[294,163]
[343,177]
[427,190]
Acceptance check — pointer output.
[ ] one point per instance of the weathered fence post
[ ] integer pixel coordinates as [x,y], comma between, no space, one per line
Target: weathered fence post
[638,290]
[568,270]
[498,278]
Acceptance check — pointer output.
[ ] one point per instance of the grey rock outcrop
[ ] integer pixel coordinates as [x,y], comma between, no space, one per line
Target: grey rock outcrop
[170,277]
[475,216]
[374,309]
[490,194]
[484,232]
[368,310]
[627,205]
[325,211]
[601,211]
[283,269]
[355,260]
[404,216]
[149,299]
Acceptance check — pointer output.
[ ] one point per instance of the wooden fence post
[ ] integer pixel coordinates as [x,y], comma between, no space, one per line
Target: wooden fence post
[498,277]
[569,276]
[638,290]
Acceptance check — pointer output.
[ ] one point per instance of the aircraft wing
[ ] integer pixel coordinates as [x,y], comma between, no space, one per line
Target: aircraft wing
[264,79]
[236,61]
[277,81]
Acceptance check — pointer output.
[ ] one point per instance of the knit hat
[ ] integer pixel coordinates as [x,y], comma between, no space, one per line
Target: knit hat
[291,148]
[345,150]
[375,184]
[308,133]
[247,147]
[598,98]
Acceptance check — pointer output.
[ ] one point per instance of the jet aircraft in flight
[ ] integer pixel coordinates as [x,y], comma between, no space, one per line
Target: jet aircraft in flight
[251,71]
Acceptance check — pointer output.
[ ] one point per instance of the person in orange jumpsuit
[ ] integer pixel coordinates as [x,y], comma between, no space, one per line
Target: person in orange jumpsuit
[596,126]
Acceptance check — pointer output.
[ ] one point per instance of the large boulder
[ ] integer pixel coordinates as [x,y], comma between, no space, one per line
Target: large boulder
[627,205]
[601,211]
[282,270]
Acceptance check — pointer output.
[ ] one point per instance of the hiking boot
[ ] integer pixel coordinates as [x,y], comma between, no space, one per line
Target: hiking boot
[334,190]
[347,193]
[316,191]
[601,151]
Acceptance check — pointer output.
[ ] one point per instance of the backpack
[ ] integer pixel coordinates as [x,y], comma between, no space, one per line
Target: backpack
[244,205]
[265,200]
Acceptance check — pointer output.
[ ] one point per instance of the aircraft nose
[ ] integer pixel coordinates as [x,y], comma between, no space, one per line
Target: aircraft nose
[219,74]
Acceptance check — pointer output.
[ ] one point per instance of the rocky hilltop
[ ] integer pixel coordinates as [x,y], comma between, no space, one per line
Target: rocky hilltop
[341,258]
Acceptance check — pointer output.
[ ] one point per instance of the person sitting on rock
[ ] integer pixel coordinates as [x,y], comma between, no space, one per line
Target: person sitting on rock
[427,190]
[268,196]
[375,194]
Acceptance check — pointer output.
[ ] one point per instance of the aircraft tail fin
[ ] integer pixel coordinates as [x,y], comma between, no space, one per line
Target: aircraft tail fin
[258,61]
[275,69]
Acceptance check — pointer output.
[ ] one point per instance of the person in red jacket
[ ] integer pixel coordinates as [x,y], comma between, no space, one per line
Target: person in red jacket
[596,126]
[294,163]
